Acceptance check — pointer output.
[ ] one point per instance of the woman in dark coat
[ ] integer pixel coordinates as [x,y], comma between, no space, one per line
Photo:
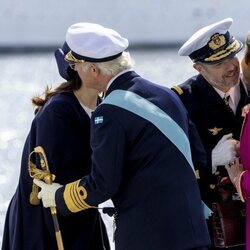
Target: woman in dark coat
[62,127]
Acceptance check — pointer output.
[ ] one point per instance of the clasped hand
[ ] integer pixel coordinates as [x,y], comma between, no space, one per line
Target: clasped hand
[47,193]
[225,151]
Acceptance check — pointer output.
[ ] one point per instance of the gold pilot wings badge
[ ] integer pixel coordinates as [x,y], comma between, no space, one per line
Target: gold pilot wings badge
[215,131]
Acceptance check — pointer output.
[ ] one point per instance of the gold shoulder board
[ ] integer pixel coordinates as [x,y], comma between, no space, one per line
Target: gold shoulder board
[178,90]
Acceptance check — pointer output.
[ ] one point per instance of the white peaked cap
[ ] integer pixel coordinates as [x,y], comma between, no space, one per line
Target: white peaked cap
[94,43]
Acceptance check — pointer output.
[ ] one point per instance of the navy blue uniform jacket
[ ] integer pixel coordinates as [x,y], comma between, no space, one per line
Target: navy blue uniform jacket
[213,119]
[62,128]
[149,181]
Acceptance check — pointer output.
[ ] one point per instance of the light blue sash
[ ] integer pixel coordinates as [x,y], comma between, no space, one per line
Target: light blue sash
[149,111]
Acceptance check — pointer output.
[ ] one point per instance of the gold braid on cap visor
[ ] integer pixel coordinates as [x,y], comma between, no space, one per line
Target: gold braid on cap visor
[71,59]
[233,47]
[74,197]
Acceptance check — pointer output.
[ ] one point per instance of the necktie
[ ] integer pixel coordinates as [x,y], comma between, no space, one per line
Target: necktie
[226,100]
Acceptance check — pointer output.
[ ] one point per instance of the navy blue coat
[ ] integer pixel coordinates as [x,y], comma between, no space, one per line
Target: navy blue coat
[150,182]
[212,119]
[62,128]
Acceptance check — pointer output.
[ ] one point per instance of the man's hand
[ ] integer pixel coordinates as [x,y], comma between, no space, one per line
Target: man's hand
[224,152]
[47,193]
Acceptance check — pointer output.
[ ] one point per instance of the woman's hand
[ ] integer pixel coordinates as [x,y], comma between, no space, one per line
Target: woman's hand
[234,170]
[245,110]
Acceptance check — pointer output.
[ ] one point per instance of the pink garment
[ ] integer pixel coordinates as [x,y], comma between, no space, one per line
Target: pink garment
[245,180]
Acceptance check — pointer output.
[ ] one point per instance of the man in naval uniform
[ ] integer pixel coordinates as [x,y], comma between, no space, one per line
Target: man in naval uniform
[214,99]
[141,151]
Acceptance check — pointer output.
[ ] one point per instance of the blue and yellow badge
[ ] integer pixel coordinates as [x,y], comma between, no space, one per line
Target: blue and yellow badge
[98,119]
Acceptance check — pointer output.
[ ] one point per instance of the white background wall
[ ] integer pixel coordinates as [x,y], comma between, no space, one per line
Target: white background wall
[44,22]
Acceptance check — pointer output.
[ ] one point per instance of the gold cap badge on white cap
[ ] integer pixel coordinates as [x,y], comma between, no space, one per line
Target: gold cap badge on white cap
[212,43]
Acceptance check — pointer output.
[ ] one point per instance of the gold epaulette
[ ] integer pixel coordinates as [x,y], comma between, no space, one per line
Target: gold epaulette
[74,197]
[177,89]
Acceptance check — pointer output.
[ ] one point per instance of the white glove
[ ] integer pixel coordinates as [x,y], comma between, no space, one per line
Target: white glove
[224,151]
[47,193]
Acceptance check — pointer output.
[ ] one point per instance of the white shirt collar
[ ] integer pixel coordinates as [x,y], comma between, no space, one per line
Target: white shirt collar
[121,73]
[88,110]
[234,93]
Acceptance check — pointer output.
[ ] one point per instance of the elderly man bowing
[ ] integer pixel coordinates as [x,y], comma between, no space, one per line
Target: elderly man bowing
[141,151]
